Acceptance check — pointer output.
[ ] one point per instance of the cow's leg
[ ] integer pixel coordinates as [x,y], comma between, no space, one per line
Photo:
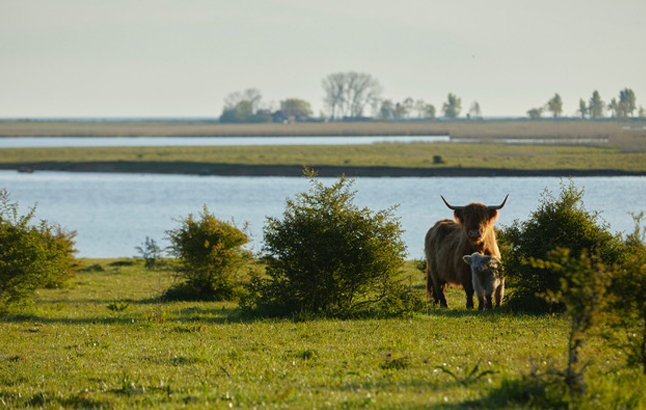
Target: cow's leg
[430,286]
[487,295]
[441,296]
[468,289]
[434,286]
[489,304]
[482,301]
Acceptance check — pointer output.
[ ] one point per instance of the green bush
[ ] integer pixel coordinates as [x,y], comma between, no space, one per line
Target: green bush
[630,301]
[150,252]
[210,252]
[557,223]
[327,256]
[584,294]
[31,256]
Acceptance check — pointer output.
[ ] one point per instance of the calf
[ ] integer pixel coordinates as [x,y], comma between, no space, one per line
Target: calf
[487,279]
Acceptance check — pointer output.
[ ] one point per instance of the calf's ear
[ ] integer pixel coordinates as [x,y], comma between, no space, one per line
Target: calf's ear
[467,259]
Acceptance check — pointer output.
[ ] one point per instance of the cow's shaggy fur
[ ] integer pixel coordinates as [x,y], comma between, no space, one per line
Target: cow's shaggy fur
[447,241]
[487,279]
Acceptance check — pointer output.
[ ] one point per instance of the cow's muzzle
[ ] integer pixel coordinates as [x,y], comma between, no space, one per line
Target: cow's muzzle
[475,234]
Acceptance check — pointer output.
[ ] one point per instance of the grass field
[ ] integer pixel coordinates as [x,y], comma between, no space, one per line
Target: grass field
[106,341]
[414,155]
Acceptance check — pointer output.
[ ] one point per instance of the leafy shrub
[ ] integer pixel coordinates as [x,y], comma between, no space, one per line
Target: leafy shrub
[557,223]
[210,252]
[583,292]
[630,304]
[150,252]
[327,256]
[31,256]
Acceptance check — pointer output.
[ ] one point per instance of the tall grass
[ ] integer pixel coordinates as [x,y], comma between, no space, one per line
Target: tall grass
[72,350]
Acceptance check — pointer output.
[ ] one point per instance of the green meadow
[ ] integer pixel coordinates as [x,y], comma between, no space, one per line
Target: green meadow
[107,341]
[413,155]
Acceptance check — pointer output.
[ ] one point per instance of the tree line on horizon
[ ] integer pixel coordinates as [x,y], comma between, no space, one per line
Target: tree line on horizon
[358,97]
[595,107]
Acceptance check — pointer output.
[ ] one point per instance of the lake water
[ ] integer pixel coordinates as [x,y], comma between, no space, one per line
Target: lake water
[113,213]
[33,142]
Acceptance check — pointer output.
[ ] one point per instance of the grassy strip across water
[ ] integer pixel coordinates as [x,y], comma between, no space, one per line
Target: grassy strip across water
[106,340]
[609,146]
[439,156]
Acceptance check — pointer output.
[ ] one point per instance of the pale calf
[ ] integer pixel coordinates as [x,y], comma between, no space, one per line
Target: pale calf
[487,279]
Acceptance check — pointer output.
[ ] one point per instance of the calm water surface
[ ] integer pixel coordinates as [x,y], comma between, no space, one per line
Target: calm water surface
[113,213]
[33,142]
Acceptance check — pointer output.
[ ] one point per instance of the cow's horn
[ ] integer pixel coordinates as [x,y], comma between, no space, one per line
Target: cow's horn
[454,208]
[501,205]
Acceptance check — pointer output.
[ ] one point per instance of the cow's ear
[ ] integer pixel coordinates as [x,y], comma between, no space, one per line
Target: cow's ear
[493,214]
[467,259]
[459,214]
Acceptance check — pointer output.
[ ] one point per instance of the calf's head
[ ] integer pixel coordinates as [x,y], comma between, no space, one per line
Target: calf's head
[476,219]
[483,265]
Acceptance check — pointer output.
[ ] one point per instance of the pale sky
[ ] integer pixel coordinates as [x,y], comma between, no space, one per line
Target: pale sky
[156,58]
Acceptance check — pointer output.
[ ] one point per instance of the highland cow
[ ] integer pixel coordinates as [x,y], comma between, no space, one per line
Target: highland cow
[448,241]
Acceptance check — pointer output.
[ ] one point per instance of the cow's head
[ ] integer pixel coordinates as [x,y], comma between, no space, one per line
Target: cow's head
[475,218]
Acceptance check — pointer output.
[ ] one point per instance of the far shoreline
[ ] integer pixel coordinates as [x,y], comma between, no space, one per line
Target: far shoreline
[206,169]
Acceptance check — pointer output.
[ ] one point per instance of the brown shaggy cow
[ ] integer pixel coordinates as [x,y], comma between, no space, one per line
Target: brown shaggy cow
[448,241]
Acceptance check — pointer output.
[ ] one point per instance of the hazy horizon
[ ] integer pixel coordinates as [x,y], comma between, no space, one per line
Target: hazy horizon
[147,59]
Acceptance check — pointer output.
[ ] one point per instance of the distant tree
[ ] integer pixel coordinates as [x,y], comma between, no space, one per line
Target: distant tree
[401,111]
[596,106]
[348,94]
[251,95]
[614,108]
[429,111]
[555,105]
[452,106]
[296,104]
[391,111]
[409,105]
[626,105]
[474,111]
[386,110]
[642,112]
[334,87]
[419,107]
[241,107]
[535,113]
[583,108]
